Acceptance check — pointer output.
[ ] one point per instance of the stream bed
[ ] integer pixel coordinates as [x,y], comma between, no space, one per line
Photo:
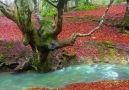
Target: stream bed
[60,78]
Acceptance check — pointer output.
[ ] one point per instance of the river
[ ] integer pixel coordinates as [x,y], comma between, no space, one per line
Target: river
[60,78]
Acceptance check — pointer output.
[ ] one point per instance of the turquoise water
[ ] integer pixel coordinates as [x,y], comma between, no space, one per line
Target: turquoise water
[60,78]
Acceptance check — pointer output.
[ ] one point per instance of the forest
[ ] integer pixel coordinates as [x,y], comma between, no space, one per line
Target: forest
[64,45]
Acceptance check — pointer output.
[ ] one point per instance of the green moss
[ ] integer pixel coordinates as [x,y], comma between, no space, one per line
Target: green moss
[109,44]
[112,52]
[126,31]
[125,22]
[106,48]
[35,61]
[47,66]
[2,59]
[1,14]
[118,1]
[87,7]
[9,45]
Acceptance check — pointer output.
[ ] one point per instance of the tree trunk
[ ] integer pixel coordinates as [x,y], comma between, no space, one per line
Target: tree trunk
[47,60]
[76,3]
[125,22]
[66,6]
[39,58]
[86,1]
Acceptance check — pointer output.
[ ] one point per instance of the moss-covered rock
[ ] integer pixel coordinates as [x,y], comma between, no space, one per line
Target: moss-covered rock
[108,52]
[12,54]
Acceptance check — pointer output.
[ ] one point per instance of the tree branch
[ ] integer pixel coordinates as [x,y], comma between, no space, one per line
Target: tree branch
[70,41]
[51,3]
[4,3]
[5,9]
[36,12]
[60,8]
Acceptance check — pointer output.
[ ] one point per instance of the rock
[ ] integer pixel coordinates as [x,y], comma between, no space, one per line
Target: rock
[58,59]
[107,51]
[13,65]
[23,66]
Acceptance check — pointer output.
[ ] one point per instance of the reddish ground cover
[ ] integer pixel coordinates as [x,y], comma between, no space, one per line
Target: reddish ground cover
[103,85]
[115,11]
[104,33]
[9,30]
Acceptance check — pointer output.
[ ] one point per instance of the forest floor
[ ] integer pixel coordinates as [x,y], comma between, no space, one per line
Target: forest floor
[101,85]
[84,22]
[74,21]
[78,22]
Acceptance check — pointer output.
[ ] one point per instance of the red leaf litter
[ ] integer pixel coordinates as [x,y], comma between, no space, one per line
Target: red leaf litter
[10,32]
[115,11]
[101,85]
[104,33]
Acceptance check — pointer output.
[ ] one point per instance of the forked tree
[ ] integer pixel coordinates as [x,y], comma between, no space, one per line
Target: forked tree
[43,40]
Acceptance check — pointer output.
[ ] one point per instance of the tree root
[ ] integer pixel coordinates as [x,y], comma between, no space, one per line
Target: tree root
[25,65]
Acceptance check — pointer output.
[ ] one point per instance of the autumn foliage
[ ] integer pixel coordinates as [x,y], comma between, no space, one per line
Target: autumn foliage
[10,32]
[102,85]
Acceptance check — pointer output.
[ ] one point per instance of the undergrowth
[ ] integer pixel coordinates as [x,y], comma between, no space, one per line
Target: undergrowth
[87,7]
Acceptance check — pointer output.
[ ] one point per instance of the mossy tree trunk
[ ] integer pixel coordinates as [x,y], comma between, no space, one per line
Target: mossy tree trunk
[44,40]
[47,40]
[125,22]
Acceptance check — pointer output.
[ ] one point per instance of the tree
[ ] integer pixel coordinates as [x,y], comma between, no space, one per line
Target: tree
[125,21]
[87,1]
[44,40]
[76,3]
[66,5]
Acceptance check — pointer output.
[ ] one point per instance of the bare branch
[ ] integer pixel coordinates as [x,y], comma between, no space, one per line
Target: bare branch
[51,3]
[3,3]
[60,8]
[72,38]
[37,13]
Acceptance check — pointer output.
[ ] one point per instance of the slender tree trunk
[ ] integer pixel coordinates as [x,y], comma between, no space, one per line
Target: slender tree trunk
[76,3]
[87,1]
[66,6]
